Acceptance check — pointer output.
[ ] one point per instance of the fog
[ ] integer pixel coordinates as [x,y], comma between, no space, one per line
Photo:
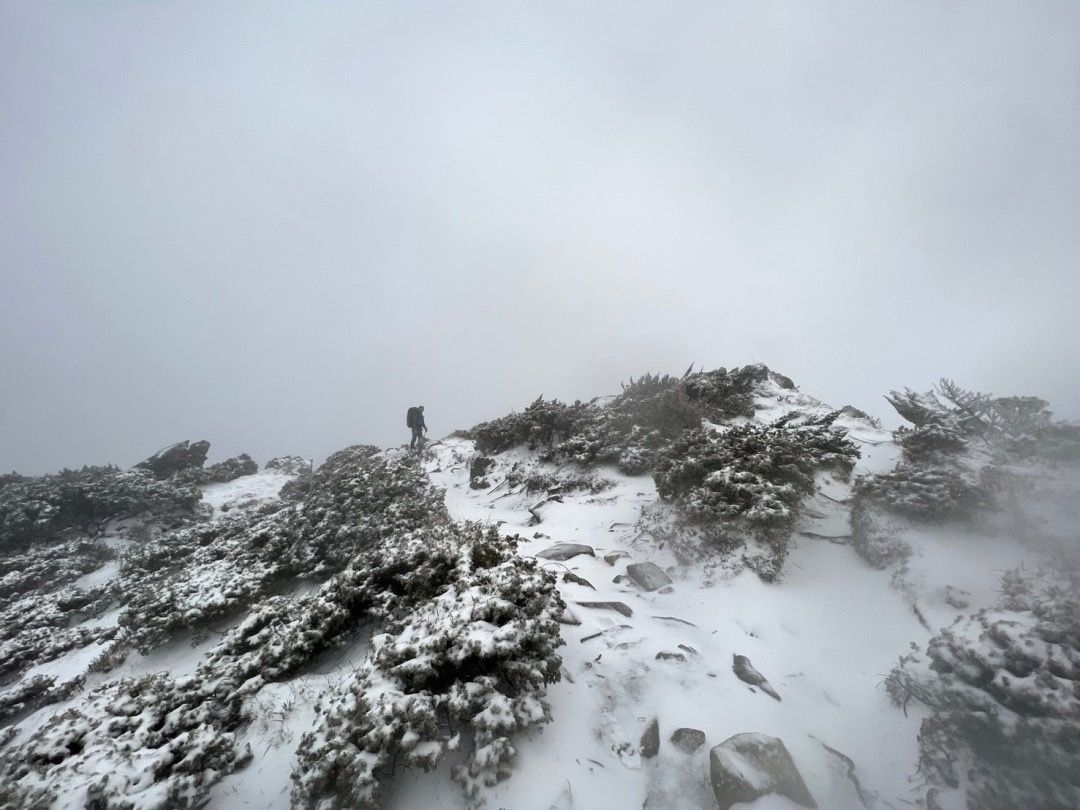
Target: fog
[278,226]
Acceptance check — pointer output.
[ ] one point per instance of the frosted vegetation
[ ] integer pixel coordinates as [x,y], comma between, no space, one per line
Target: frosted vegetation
[415,607]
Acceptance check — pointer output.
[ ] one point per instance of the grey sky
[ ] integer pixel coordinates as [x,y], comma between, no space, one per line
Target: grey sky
[277,225]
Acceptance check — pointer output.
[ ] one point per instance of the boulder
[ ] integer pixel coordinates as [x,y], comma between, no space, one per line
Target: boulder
[180,456]
[613,557]
[688,740]
[746,673]
[564,551]
[648,576]
[746,767]
[650,740]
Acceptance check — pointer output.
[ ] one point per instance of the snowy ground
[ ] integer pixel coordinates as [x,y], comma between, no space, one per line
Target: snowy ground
[825,637]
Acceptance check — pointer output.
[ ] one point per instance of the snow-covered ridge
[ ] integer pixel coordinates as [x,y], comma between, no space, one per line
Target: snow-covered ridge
[263,667]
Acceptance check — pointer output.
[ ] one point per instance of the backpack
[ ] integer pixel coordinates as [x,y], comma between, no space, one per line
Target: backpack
[411,417]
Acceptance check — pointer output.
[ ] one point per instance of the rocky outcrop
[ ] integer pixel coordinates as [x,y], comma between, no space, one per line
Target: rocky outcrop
[180,456]
[748,766]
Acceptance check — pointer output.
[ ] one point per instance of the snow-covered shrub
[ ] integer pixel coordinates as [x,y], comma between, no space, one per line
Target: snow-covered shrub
[751,479]
[152,742]
[472,661]
[228,470]
[290,465]
[948,417]
[534,478]
[543,423]
[728,394]
[924,492]
[357,499]
[33,509]
[50,566]
[629,429]
[1003,689]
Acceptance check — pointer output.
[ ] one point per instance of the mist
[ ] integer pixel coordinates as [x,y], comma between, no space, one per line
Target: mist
[277,230]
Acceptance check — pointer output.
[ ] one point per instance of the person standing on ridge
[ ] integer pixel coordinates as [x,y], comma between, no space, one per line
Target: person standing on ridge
[414,419]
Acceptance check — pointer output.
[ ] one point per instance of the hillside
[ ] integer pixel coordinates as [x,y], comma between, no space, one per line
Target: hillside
[704,591]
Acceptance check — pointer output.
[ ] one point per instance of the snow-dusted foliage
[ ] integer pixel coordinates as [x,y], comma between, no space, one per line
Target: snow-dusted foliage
[965,454]
[228,470]
[468,666]
[631,428]
[154,742]
[189,578]
[948,418]
[33,509]
[543,423]
[465,624]
[750,479]
[39,608]
[1003,689]
[925,492]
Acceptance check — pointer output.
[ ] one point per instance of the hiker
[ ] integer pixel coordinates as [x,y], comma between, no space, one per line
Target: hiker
[415,419]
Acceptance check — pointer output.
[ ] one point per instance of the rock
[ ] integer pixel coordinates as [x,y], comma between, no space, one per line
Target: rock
[650,740]
[647,575]
[782,380]
[571,577]
[748,766]
[664,655]
[688,740]
[290,465]
[564,551]
[568,617]
[746,673]
[613,557]
[178,457]
[618,607]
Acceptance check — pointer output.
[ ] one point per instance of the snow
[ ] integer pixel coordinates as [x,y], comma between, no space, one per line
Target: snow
[825,637]
[260,487]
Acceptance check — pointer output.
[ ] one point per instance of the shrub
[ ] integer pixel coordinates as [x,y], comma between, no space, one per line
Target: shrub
[1003,689]
[924,493]
[543,423]
[751,478]
[469,629]
[473,661]
[632,427]
[33,509]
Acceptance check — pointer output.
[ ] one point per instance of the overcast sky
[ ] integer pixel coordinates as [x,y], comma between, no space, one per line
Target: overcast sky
[277,225]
